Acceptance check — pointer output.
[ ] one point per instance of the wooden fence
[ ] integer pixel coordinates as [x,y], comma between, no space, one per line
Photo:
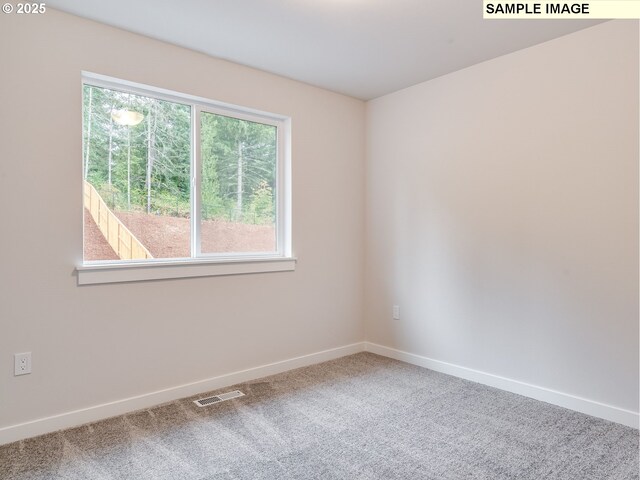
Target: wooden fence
[123,242]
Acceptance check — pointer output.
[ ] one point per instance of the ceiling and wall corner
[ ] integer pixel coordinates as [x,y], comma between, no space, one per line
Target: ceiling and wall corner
[361,48]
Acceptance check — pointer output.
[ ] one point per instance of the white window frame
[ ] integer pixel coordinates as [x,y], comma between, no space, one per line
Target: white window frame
[210,264]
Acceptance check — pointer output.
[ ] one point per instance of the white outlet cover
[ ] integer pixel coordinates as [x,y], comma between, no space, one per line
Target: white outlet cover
[396,312]
[22,363]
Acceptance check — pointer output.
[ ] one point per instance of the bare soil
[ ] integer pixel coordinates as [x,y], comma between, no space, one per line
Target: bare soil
[169,237]
[96,246]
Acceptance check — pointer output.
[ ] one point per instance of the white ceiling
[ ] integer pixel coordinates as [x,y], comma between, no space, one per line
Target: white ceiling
[362,48]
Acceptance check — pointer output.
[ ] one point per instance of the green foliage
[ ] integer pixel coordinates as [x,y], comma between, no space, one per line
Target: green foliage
[262,204]
[167,203]
[150,162]
[238,156]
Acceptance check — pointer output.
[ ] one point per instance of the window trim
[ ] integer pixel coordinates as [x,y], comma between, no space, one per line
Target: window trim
[179,268]
[209,264]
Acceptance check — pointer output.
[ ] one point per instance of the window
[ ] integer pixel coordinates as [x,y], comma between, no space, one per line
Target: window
[174,180]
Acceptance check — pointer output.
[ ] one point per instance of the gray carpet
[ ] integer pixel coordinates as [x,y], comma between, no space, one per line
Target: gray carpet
[358,417]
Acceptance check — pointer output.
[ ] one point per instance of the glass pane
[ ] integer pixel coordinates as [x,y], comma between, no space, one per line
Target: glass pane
[238,185]
[136,167]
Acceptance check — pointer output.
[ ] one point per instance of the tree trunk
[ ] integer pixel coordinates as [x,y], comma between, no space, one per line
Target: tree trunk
[129,159]
[88,142]
[151,142]
[239,189]
[128,168]
[110,157]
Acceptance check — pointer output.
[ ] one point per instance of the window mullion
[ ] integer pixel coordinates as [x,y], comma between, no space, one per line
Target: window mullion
[196,170]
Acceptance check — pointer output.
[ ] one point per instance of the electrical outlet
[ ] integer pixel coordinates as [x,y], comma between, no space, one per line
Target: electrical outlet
[396,312]
[22,363]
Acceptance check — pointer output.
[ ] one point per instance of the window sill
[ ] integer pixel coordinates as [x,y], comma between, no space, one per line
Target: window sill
[137,272]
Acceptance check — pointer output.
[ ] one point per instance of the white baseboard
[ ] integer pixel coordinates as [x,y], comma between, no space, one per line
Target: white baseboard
[74,418]
[583,405]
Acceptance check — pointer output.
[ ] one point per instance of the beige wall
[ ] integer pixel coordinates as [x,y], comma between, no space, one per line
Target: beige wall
[503,216]
[103,343]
